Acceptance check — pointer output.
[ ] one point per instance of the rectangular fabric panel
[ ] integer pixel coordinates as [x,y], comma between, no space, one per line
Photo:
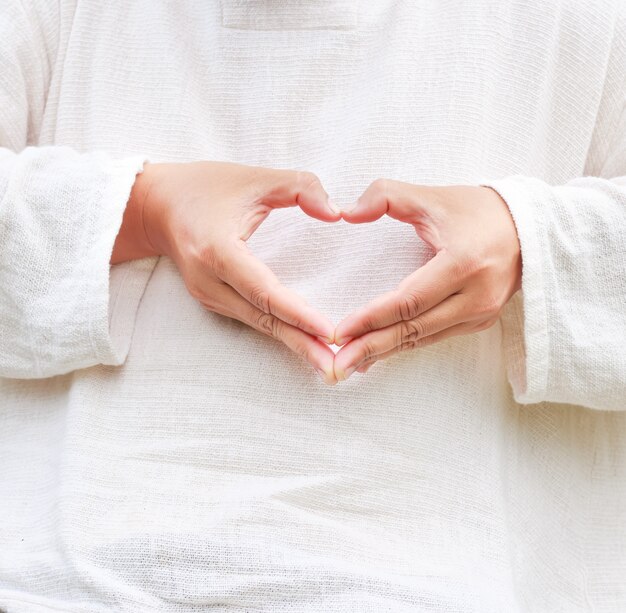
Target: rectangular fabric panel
[289,15]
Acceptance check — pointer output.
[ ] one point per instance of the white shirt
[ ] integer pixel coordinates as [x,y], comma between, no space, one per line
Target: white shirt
[158,457]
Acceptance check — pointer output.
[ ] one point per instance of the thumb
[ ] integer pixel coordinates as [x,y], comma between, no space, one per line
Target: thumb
[303,189]
[384,196]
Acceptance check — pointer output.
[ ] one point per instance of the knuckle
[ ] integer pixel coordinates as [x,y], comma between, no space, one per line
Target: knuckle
[260,298]
[368,324]
[379,187]
[308,179]
[410,306]
[408,346]
[367,350]
[411,330]
[300,348]
[414,344]
[269,324]
[294,320]
[399,333]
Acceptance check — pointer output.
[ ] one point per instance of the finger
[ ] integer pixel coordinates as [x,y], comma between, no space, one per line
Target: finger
[458,330]
[419,292]
[259,285]
[449,313]
[314,351]
[399,200]
[303,189]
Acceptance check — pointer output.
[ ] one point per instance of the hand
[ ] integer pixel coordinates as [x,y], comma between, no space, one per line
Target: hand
[462,289]
[201,214]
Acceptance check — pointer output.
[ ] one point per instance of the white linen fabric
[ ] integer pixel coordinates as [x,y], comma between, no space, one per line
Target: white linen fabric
[158,457]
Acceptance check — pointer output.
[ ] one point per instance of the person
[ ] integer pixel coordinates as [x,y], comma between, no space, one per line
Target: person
[203,203]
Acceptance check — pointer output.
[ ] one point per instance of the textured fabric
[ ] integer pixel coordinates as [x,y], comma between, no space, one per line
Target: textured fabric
[575,332]
[54,262]
[188,463]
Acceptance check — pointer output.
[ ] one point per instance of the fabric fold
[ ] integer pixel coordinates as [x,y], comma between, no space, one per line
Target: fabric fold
[573,258]
[59,216]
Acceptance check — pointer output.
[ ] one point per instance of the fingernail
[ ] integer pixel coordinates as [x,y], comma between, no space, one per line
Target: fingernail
[334,209]
[343,341]
[348,372]
[326,339]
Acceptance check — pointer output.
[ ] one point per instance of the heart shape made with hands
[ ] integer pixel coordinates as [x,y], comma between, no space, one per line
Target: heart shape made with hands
[475,269]
[462,289]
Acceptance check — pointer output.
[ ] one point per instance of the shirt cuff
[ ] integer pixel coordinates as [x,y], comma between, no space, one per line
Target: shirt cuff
[525,318]
[121,285]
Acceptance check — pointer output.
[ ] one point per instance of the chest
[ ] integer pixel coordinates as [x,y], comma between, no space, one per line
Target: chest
[420,91]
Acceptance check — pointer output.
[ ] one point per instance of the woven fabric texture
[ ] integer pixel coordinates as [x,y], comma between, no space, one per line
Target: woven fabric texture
[155,457]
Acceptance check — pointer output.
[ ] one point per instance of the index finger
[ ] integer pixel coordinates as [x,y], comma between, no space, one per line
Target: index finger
[303,189]
[401,201]
[255,281]
[420,291]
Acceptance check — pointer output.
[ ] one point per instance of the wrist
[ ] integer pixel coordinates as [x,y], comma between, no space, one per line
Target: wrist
[132,241]
[513,242]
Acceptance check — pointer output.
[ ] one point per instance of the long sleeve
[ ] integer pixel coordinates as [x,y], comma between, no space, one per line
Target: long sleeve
[564,333]
[565,336]
[60,211]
